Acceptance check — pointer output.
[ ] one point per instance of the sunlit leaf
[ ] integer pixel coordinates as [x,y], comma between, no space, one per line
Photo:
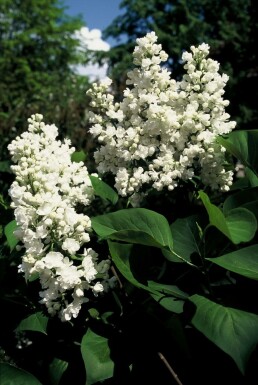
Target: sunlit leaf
[136,225]
[36,322]
[78,156]
[96,356]
[103,190]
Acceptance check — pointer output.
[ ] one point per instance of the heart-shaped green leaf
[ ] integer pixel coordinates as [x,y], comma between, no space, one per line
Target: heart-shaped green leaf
[96,356]
[239,224]
[232,330]
[36,322]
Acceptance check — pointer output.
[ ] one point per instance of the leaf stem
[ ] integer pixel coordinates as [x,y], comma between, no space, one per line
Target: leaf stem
[185,260]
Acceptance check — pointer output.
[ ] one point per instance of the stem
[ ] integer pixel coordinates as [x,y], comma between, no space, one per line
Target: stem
[185,260]
[117,277]
[170,369]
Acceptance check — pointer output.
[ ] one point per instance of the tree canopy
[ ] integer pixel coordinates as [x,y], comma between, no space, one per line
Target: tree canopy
[38,48]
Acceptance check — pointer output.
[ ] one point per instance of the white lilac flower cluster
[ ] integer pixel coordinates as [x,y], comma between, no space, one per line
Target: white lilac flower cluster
[163,130]
[47,188]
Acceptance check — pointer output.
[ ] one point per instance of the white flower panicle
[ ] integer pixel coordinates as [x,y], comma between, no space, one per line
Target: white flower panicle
[164,131]
[47,188]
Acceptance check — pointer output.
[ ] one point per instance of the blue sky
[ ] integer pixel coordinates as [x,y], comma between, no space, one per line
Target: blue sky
[96,13]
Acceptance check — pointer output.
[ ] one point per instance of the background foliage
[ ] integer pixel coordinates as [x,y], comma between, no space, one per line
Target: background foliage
[37,51]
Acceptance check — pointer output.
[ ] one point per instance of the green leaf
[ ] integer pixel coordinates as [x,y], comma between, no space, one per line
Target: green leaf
[244,146]
[3,203]
[78,156]
[103,190]
[120,253]
[232,330]
[96,356]
[135,225]
[10,375]
[186,237]
[247,199]
[8,230]
[243,261]
[239,224]
[252,177]
[36,322]
[168,296]
[170,256]
[56,370]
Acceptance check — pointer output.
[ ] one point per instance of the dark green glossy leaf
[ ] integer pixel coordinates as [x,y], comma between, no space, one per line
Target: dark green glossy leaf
[168,296]
[252,177]
[239,225]
[232,330]
[243,261]
[120,253]
[36,322]
[247,199]
[96,356]
[103,190]
[244,146]
[186,237]
[136,225]
[10,375]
